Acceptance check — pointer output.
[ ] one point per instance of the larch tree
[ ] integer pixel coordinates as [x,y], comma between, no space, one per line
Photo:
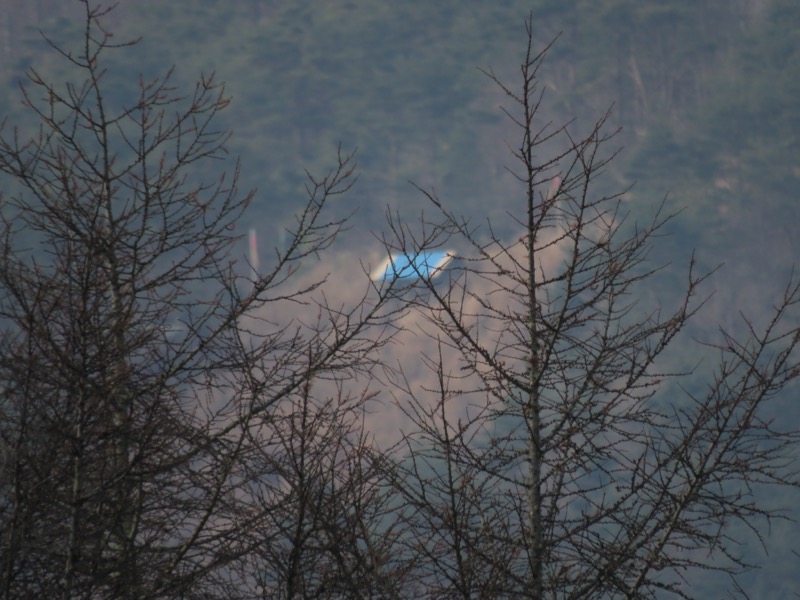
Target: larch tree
[556,451]
[157,394]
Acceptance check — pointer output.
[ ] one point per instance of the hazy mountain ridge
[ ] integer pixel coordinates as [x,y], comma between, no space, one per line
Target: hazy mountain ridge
[705,93]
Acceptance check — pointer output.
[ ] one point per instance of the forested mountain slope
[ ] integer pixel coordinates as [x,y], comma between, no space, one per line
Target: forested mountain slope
[705,93]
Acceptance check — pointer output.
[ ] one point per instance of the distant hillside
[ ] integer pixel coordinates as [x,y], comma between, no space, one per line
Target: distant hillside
[705,91]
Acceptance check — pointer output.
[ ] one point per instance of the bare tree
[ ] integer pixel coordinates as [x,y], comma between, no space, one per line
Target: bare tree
[321,526]
[559,454]
[144,371]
